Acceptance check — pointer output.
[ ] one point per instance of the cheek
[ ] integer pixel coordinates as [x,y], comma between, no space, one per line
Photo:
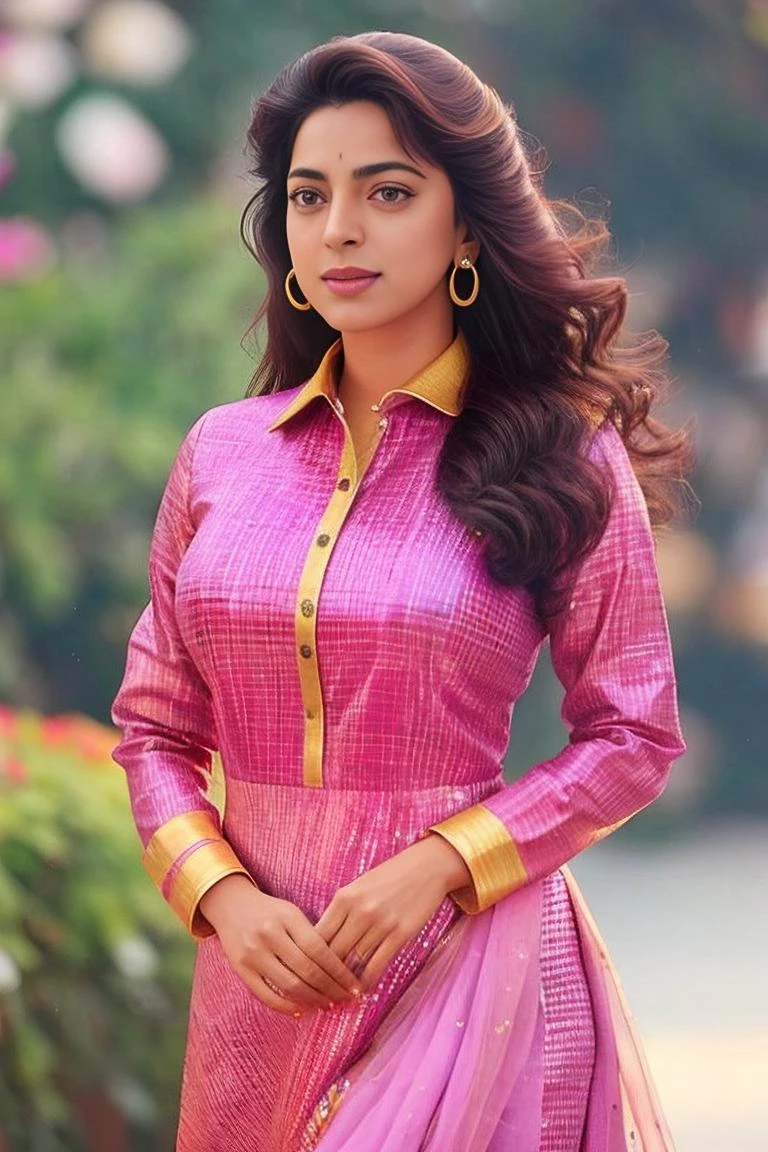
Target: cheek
[426,252]
[292,237]
[437,233]
[301,236]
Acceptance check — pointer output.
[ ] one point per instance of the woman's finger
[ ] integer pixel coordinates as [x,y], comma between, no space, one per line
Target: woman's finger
[270,998]
[377,963]
[291,984]
[348,937]
[334,976]
[303,979]
[331,921]
[358,954]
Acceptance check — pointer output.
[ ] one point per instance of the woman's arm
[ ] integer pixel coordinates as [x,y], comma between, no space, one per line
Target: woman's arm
[611,651]
[164,710]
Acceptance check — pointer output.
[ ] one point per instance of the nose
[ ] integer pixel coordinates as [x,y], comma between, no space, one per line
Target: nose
[343,226]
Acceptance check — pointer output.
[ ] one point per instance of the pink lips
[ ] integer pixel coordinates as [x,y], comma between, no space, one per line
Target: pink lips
[349,281]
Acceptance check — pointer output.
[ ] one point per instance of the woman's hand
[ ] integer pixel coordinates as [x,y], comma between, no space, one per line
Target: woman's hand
[271,945]
[370,920]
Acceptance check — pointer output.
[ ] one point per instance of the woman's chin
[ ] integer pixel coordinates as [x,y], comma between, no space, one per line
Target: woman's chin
[357,316]
[353,317]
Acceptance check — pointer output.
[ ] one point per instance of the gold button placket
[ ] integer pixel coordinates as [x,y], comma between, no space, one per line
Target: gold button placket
[307,604]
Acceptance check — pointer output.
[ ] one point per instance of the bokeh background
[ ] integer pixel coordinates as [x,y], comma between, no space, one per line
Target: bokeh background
[125,297]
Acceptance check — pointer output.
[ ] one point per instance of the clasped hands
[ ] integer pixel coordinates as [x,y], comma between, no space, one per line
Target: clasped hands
[294,966]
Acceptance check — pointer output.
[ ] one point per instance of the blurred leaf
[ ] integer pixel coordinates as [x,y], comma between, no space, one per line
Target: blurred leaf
[72,891]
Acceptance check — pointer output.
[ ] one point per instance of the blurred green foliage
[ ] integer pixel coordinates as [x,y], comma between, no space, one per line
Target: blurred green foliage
[105,362]
[94,972]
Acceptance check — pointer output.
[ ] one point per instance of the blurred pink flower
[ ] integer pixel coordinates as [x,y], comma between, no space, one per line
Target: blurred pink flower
[56,731]
[8,721]
[13,769]
[26,249]
[77,733]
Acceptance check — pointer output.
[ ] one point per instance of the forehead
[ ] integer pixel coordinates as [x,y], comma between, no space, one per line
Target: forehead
[347,134]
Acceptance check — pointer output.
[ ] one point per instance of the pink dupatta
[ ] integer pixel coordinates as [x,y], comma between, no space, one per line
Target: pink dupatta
[457,1064]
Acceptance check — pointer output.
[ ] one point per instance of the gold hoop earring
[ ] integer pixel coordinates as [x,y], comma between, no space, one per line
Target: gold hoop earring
[460,301]
[297,304]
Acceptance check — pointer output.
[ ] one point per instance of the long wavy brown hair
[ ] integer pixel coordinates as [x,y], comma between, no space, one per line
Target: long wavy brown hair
[549,357]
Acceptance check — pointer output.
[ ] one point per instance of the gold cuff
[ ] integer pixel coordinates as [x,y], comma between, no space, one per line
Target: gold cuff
[490,853]
[210,863]
[173,838]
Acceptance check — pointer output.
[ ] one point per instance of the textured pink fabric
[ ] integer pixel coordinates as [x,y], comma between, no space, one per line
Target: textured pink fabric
[569,1040]
[421,657]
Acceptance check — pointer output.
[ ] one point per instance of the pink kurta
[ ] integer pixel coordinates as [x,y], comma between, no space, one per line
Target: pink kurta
[338,640]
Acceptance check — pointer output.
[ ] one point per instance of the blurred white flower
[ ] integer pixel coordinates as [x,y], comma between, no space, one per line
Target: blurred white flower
[111,149]
[135,41]
[44,13]
[135,958]
[35,68]
[10,976]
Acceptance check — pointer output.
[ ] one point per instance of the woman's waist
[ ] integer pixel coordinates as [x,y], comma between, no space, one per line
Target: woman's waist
[304,843]
[282,805]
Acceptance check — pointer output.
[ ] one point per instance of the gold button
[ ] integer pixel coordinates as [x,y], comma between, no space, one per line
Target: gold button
[306,651]
[323,539]
[344,484]
[307,607]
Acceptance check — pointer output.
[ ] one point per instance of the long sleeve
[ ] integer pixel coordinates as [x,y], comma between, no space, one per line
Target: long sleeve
[611,651]
[163,708]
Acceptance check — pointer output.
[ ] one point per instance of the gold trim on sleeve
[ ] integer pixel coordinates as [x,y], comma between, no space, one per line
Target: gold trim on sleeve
[204,868]
[174,837]
[490,853]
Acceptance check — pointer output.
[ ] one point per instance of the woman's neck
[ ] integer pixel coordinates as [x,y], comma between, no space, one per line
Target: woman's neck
[378,360]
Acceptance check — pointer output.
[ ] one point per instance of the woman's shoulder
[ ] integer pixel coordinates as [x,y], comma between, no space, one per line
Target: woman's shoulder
[235,424]
[607,449]
[237,418]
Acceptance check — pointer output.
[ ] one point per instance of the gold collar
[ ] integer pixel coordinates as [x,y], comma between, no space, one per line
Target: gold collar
[440,384]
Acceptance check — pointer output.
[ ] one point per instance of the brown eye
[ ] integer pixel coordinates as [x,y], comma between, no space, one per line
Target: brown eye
[392,194]
[305,197]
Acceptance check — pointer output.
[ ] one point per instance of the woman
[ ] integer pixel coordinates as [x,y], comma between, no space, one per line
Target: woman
[446,458]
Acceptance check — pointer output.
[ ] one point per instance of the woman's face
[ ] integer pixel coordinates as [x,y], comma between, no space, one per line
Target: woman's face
[371,231]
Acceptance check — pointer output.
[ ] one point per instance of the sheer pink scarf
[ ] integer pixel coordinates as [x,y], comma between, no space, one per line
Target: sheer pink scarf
[457,1065]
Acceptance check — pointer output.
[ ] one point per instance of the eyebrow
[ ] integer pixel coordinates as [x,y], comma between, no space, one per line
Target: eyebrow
[358,173]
